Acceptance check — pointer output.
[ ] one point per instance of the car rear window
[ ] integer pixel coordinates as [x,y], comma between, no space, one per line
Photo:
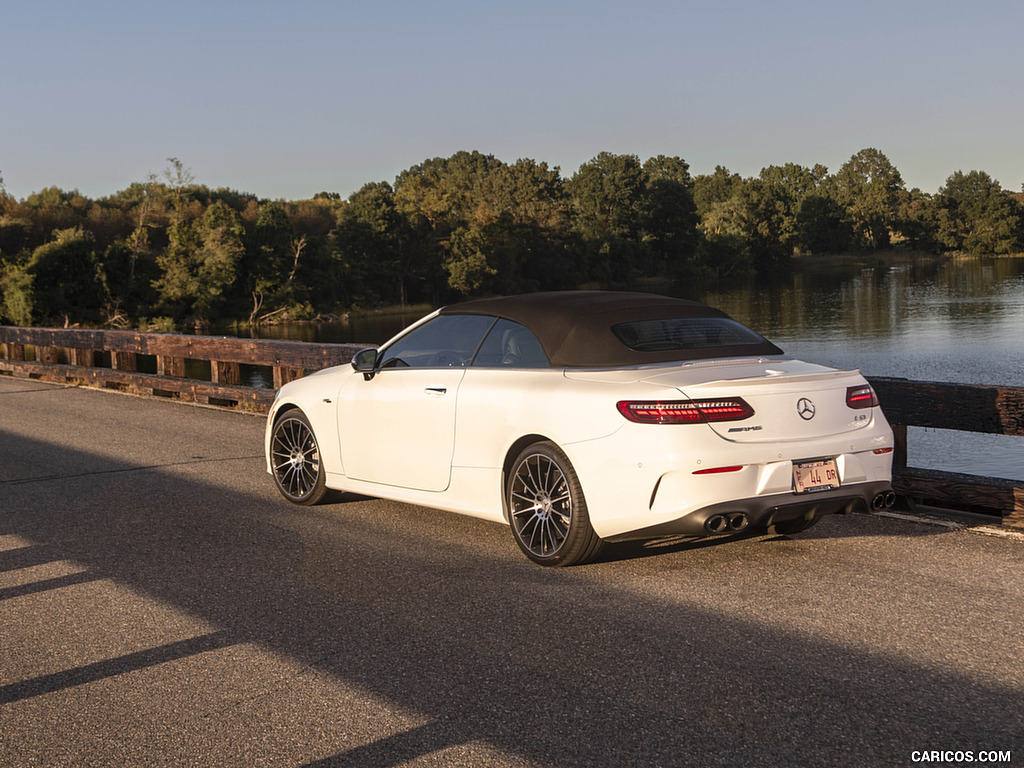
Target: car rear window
[684,333]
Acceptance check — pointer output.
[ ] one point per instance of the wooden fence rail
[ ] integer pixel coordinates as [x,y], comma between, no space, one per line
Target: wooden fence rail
[155,364]
[963,407]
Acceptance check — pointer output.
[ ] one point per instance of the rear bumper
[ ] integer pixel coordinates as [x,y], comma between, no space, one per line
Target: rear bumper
[762,512]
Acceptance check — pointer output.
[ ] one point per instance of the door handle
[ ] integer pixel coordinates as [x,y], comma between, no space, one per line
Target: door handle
[435,391]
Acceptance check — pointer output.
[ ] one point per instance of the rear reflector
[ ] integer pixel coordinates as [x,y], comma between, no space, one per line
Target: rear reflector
[862,396]
[685,411]
[718,470]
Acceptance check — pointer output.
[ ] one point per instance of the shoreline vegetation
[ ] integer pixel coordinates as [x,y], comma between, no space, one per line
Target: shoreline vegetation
[356,313]
[653,285]
[170,254]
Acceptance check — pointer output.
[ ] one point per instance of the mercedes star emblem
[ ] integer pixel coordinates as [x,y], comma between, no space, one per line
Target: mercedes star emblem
[805,408]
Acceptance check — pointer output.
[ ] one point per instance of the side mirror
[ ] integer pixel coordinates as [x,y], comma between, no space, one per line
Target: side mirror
[365,362]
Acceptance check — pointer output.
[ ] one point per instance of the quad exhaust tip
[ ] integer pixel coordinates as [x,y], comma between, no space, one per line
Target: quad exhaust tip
[883,500]
[734,522]
[730,522]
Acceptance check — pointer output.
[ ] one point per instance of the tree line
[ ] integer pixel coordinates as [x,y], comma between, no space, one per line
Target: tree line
[170,253]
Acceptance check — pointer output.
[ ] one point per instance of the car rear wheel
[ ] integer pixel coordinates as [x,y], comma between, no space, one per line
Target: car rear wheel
[295,459]
[547,510]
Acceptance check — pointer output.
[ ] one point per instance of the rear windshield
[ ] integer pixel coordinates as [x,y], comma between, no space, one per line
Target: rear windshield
[685,333]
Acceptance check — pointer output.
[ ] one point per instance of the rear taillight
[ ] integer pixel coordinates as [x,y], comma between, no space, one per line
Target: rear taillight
[685,411]
[861,397]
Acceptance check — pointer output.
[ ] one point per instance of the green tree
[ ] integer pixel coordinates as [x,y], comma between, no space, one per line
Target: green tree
[16,287]
[871,190]
[608,195]
[670,216]
[128,263]
[445,191]
[715,188]
[265,267]
[178,181]
[148,205]
[790,186]
[52,209]
[446,205]
[769,227]
[822,224]
[378,259]
[918,224]
[272,237]
[14,234]
[199,263]
[467,264]
[721,212]
[523,227]
[975,215]
[65,278]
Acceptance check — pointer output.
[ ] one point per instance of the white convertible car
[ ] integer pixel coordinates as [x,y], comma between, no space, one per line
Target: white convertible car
[584,417]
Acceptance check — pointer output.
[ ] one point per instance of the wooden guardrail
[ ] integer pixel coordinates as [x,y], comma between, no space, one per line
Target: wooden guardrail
[155,363]
[964,407]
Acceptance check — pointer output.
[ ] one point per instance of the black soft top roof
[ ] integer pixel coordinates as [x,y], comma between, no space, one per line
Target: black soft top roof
[575,327]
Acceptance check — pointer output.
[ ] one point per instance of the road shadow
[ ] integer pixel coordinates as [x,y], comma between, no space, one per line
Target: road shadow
[440,616]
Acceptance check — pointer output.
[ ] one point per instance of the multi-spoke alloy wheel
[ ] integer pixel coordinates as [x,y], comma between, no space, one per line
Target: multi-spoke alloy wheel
[295,457]
[547,510]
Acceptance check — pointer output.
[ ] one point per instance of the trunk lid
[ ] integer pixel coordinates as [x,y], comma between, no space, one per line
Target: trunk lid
[792,400]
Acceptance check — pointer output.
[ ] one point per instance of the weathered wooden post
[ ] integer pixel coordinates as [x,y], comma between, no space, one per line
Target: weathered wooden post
[225,373]
[84,358]
[167,365]
[123,361]
[283,374]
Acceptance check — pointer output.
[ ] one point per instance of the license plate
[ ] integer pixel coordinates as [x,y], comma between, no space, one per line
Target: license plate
[810,476]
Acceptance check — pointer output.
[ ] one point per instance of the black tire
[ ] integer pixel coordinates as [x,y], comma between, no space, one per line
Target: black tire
[295,459]
[547,510]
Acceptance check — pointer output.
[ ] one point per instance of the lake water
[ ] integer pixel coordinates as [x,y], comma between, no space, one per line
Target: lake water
[958,320]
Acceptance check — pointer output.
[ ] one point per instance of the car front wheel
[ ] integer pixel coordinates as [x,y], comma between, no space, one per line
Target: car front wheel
[547,510]
[295,459]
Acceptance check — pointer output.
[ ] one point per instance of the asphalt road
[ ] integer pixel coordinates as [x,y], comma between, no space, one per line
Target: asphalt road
[161,606]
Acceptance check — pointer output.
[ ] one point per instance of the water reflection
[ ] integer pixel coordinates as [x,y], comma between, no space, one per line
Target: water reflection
[366,329]
[959,320]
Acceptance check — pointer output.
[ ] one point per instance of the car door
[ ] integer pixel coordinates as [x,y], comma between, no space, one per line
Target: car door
[397,427]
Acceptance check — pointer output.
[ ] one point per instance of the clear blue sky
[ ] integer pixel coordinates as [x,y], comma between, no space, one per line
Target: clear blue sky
[286,99]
